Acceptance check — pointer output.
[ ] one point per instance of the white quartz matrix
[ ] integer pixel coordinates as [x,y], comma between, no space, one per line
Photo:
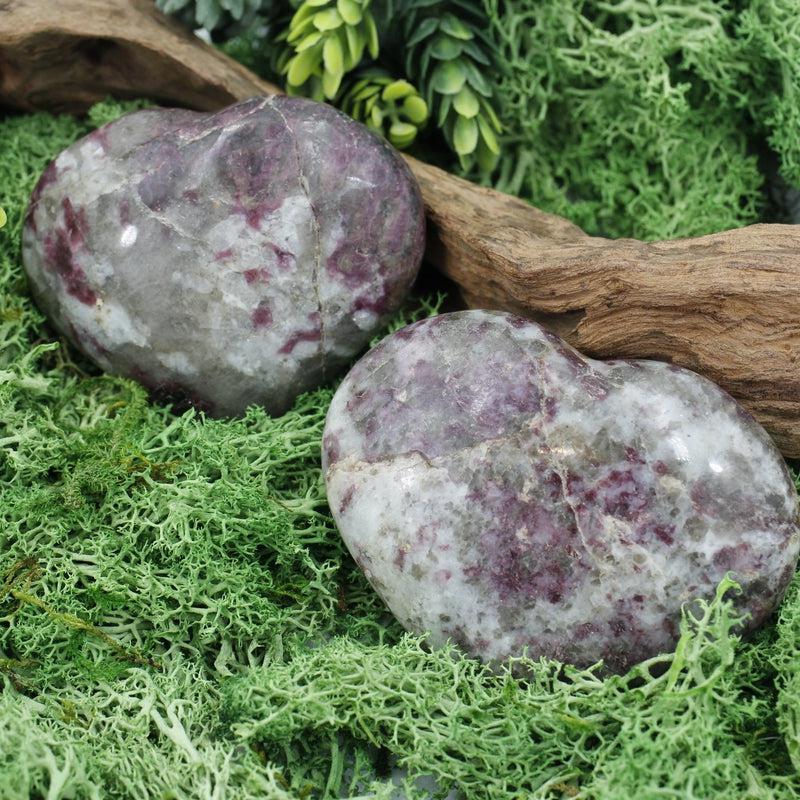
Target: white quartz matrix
[501,490]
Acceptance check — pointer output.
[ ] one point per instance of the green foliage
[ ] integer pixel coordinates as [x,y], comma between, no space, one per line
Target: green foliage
[103,113]
[646,119]
[335,50]
[435,45]
[664,730]
[769,66]
[786,661]
[179,618]
[393,108]
[225,16]
[443,54]
[616,115]
[326,39]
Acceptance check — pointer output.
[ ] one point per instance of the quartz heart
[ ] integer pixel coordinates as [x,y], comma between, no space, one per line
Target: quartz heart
[227,259]
[501,490]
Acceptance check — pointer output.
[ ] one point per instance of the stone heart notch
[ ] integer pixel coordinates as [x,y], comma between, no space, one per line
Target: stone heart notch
[501,490]
[230,258]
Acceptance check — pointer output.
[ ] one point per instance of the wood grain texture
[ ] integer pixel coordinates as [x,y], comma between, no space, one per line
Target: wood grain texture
[66,55]
[725,305]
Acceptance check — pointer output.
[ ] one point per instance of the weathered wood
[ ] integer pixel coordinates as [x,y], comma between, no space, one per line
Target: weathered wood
[66,55]
[725,305]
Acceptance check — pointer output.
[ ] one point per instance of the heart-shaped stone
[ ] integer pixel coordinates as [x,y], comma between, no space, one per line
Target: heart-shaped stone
[231,258]
[501,490]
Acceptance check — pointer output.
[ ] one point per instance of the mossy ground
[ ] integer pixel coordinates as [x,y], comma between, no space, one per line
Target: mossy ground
[179,619]
[653,120]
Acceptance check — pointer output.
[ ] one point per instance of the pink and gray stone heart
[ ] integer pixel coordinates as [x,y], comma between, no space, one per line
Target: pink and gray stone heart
[231,258]
[503,491]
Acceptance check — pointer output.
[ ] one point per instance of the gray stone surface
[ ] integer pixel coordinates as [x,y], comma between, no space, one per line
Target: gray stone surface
[500,489]
[225,259]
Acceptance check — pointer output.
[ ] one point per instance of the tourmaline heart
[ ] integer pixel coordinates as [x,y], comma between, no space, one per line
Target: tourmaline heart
[500,489]
[226,259]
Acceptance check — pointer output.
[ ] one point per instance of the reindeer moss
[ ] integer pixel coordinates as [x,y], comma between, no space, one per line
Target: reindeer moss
[647,119]
[179,619]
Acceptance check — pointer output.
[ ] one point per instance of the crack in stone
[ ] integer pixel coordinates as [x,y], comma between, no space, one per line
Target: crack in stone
[226,129]
[442,461]
[168,223]
[560,471]
[303,183]
[558,467]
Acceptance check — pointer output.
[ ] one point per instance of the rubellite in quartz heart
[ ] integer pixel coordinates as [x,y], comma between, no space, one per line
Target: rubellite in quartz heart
[503,491]
[227,259]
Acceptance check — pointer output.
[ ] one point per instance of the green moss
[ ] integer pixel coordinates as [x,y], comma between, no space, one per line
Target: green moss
[646,119]
[179,618]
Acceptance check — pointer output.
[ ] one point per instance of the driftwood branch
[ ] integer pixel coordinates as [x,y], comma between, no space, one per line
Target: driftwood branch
[726,305]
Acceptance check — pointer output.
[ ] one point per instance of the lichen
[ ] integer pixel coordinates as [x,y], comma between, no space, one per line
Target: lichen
[646,119]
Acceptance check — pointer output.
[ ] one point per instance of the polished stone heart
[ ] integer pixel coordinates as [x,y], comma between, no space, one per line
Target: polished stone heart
[503,491]
[225,259]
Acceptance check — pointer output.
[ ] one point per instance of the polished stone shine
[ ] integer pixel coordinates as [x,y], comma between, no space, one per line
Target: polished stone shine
[501,490]
[225,259]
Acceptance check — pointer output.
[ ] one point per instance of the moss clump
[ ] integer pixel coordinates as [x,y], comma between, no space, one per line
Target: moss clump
[179,618]
[647,119]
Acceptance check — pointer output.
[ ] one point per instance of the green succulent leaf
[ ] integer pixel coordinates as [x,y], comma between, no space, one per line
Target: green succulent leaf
[364,89]
[373,42]
[449,77]
[350,11]
[445,105]
[485,157]
[402,134]
[355,45]
[444,54]
[331,82]
[487,135]
[306,11]
[207,14]
[466,103]
[391,107]
[415,109]
[333,57]
[465,136]
[309,41]
[397,90]
[446,48]
[494,120]
[301,67]
[302,29]
[335,33]
[455,27]
[426,28]
[474,51]
[327,20]
[234,7]
[420,64]
[476,79]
